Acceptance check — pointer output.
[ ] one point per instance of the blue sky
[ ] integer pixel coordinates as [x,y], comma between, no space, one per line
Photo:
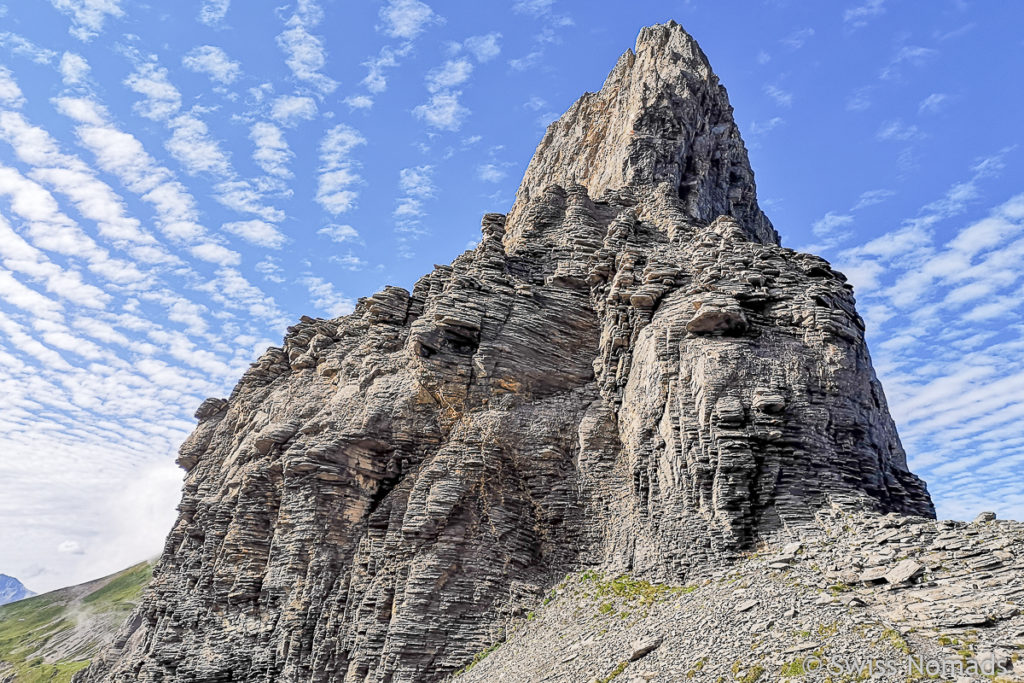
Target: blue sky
[180,181]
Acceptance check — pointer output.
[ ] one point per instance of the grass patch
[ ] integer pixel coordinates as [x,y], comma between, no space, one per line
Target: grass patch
[697,668]
[753,674]
[122,591]
[793,669]
[628,588]
[827,631]
[896,640]
[52,673]
[615,672]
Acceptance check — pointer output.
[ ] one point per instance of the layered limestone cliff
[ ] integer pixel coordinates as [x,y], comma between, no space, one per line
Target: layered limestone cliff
[628,373]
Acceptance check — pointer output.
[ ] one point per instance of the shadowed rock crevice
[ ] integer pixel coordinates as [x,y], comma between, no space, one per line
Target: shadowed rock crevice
[627,372]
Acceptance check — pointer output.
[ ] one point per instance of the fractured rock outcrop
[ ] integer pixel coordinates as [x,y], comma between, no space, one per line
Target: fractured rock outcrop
[628,372]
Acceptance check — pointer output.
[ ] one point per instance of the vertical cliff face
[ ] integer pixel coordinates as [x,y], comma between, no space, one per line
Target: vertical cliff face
[627,372]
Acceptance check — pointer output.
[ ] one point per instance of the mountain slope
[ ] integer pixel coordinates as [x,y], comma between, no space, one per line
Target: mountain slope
[12,590]
[889,599]
[628,374]
[51,636]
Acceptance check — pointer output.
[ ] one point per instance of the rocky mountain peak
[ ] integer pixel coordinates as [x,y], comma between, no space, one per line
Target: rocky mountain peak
[662,117]
[627,374]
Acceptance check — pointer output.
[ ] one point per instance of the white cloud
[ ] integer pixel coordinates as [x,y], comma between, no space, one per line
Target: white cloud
[88,16]
[19,256]
[52,230]
[490,173]
[908,54]
[337,173]
[899,132]
[19,45]
[797,39]
[443,111]
[10,93]
[349,262]
[781,97]
[485,47]
[339,233]
[861,15]
[15,293]
[407,18]
[272,152]
[162,99]
[827,224]
[537,8]
[759,128]
[306,56]
[243,197]
[535,103]
[214,62]
[69,176]
[871,197]
[524,63]
[216,253]
[359,102]
[270,270]
[72,547]
[122,155]
[408,210]
[213,11]
[452,73]
[417,181]
[376,81]
[860,100]
[73,68]
[933,103]
[258,232]
[326,298]
[191,144]
[417,185]
[288,110]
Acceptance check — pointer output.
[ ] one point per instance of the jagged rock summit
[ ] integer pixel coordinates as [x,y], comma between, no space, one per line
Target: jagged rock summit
[628,373]
[661,117]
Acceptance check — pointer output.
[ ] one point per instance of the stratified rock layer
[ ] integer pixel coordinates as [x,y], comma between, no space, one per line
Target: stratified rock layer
[628,372]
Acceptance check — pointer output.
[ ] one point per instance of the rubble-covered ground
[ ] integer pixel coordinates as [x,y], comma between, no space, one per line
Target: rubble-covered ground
[855,597]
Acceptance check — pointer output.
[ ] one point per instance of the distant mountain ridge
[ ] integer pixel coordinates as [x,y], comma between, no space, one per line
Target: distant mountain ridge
[12,590]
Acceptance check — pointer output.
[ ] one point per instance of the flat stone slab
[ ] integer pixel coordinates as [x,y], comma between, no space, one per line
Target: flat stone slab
[904,572]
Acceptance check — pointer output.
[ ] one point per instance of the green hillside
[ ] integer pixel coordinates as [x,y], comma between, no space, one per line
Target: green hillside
[51,636]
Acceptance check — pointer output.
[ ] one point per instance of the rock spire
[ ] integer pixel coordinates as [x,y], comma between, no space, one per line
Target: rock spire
[628,373]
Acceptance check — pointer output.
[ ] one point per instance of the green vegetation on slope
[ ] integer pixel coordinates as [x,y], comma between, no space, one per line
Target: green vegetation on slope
[121,593]
[49,637]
